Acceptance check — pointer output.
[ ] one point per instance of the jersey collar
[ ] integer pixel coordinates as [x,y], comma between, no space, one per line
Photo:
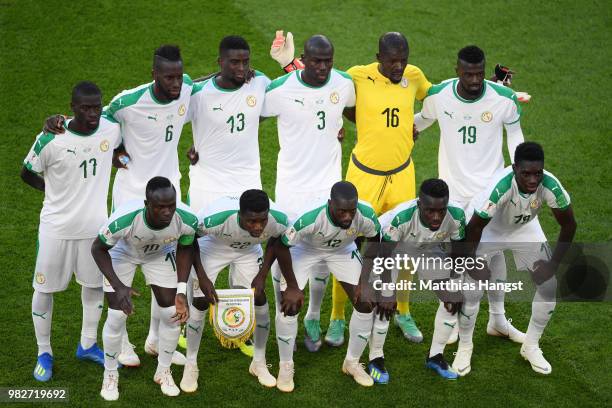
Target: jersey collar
[298,75]
[456,84]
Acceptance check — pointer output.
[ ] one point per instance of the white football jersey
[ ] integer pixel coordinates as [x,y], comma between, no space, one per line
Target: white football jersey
[471,134]
[77,170]
[309,119]
[509,209]
[404,224]
[132,238]
[316,230]
[225,134]
[220,223]
[151,132]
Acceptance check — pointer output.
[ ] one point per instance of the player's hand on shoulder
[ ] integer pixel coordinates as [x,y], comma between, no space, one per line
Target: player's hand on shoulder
[54,124]
[121,158]
[543,271]
[415,133]
[341,134]
[193,155]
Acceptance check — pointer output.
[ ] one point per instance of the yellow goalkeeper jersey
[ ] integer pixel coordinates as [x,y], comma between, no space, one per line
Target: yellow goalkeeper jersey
[385,115]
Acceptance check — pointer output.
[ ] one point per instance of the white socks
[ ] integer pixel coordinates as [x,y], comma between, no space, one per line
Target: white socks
[286,331]
[469,312]
[360,328]
[379,334]
[169,332]
[318,279]
[262,330]
[93,302]
[444,324]
[497,313]
[153,335]
[112,335]
[542,308]
[194,329]
[42,313]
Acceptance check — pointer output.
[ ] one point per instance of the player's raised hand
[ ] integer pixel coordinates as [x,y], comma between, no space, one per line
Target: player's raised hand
[182,311]
[208,289]
[54,124]
[292,301]
[193,155]
[282,48]
[124,296]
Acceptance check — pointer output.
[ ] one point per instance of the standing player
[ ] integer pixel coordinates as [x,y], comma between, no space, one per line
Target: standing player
[424,224]
[472,113]
[156,234]
[225,112]
[508,208]
[151,117]
[74,172]
[327,235]
[232,232]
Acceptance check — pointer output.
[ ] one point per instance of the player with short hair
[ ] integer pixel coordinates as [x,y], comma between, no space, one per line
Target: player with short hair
[326,234]
[156,234]
[74,173]
[420,226]
[232,231]
[472,114]
[508,208]
[152,116]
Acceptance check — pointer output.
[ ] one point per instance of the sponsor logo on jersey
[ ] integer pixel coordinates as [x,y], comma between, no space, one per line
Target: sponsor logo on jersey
[300,101]
[535,204]
[334,97]
[372,79]
[486,117]
[104,145]
[73,151]
[251,101]
[152,117]
[182,109]
[450,115]
[404,82]
[40,278]
[217,108]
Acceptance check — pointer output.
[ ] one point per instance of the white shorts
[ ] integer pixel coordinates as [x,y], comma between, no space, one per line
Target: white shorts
[121,195]
[159,271]
[525,253]
[344,264]
[244,264]
[294,204]
[58,259]
[198,199]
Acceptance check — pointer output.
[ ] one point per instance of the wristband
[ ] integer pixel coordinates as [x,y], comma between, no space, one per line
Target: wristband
[181,287]
[294,65]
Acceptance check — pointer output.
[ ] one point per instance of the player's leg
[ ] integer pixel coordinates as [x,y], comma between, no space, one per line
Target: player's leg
[52,274]
[213,261]
[88,275]
[317,283]
[287,325]
[112,332]
[444,324]
[542,307]
[498,325]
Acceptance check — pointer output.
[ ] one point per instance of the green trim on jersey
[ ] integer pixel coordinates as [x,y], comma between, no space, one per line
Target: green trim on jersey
[308,218]
[298,75]
[484,91]
[501,188]
[368,212]
[259,73]
[280,217]
[74,132]
[123,222]
[188,218]
[278,82]
[507,93]
[108,117]
[344,74]
[458,215]
[555,187]
[43,140]
[403,216]
[218,218]
[186,240]
[124,101]
[187,80]
[285,241]
[218,88]
[198,86]
[157,101]
[434,89]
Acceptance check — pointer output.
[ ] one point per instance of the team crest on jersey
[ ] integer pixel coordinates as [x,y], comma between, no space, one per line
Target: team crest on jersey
[182,109]
[404,82]
[251,101]
[104,145]
[441,235]
[351,231]
[334,97]
[40,278]
[486,117]
[535,204]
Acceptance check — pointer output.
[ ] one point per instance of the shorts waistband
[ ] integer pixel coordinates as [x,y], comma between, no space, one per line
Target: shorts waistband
[375,172]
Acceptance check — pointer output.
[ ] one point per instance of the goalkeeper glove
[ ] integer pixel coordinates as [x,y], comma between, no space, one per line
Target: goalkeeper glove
[282,51]
[503,75]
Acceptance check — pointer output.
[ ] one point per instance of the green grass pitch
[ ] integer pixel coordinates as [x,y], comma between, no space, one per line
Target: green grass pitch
[561,55]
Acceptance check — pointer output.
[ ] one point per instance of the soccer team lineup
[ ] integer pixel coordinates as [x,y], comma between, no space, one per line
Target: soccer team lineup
[371,233]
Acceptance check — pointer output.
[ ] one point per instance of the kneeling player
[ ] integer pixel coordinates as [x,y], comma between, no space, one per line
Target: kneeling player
[424,224]
[508,209]
[232,232]
[73,170]
[157,235]
[327,234]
